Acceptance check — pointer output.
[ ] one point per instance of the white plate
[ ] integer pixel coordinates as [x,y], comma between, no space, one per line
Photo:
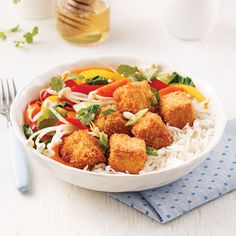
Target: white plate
[108,182]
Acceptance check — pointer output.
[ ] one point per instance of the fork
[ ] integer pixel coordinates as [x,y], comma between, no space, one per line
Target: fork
[19,164]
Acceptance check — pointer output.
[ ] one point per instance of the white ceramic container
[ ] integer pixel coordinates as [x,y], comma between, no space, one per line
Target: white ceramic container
[189,19]
[108,182]
[34,9]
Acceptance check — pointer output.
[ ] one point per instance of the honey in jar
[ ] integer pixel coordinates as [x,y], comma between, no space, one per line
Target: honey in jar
[83,21]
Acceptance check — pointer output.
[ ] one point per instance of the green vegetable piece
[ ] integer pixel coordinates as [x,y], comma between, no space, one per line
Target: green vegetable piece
[15,29]
[153,101]
[62,104]
[108,111]
[27,130]
[103,141]
[29,37]
[44,123]
[136,117]
[151,73]
[151,151]
[75,76]
[97,80]
[165,78]
[16,1]
[18,43]
[103,138]
[86,115]
[56,83]
[130,72]
[176,78]
[3,35]
[156,94]
[48,119]
[47,142]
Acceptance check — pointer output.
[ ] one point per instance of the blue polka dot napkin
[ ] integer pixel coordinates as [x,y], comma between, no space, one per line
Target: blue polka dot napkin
[215,177]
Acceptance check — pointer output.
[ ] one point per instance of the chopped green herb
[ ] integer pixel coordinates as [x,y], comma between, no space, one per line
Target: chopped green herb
[27,130]
[153,101]
[151,151]
[97,80]
[56,83]
[15,29]
[130,72]
[86,115]
[3,35]
[76,76]
[176,78]
[62,104]
[18,43]
[16,1]
[103,138]
[151,73]
[108,111]
[136,117]
[29,37]
[47,142]
[156,94]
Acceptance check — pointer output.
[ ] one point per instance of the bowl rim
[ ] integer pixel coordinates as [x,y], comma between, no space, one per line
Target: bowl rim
[20,136]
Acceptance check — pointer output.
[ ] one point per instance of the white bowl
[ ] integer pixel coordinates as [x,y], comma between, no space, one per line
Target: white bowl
[108,182]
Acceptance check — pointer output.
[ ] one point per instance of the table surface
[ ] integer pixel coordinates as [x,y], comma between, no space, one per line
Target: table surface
[56,208]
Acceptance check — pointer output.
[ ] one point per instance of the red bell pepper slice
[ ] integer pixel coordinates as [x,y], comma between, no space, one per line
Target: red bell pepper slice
[70,83]
[158,85]
[85,88]
[44,95]
[76,122]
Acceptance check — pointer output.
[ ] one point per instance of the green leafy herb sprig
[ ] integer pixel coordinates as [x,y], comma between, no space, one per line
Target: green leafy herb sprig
[56,83]
[133,73]
[86,115]
[27,38]
[5,33]
[16,1]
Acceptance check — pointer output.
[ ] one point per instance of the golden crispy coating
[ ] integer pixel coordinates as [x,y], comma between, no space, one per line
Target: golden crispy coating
[111,123]
[127,154]
[81,149]
[176,109]
[133,97]
[151,128]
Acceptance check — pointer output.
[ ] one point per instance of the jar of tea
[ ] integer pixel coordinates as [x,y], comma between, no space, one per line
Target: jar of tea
[83,21]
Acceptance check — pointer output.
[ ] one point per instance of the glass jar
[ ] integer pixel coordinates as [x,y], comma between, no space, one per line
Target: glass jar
[83,21]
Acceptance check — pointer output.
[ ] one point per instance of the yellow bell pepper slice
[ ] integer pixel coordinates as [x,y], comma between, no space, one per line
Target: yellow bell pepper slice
[88,74]
[52,99]
[190,90]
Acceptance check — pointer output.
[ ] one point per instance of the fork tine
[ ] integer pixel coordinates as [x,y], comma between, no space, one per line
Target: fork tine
[14,87]
[3,95]
[9,96]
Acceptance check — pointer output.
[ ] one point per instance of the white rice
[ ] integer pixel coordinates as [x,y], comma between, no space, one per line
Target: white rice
[188,142]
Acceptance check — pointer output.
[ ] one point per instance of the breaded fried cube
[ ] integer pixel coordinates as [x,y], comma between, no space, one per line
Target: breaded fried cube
[134,97]
[81,149]
[111,123]
[152,129]
[127,153]
[176,109]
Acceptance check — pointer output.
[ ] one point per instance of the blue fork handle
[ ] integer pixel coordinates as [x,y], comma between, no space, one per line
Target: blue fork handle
[19,164]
